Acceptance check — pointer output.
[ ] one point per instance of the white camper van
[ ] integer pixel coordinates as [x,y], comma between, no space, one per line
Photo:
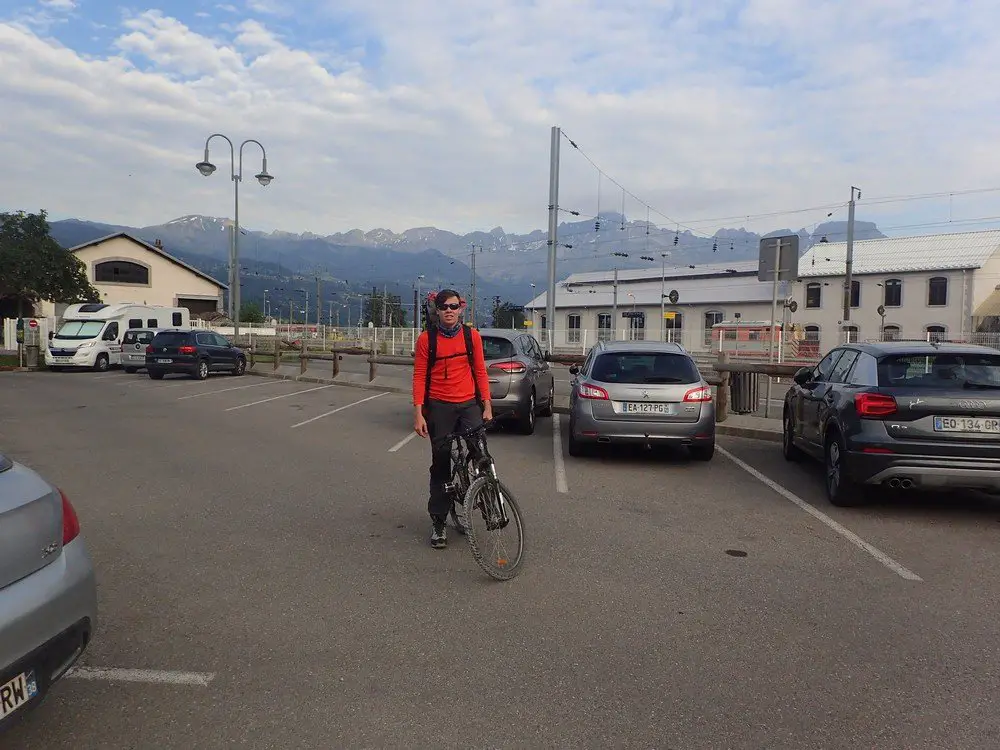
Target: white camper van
[91,334]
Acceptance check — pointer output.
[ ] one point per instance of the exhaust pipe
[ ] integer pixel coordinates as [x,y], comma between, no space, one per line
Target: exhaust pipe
[906,483]
[893,483]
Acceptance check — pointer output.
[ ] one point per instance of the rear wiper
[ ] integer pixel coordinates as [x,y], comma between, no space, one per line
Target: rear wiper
[987,386]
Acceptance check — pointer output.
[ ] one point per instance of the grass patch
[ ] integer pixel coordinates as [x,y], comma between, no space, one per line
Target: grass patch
[9,360]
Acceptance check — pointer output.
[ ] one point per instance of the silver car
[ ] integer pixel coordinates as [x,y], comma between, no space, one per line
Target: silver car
[134,344]
[522,386]
[48,591]
[641,392]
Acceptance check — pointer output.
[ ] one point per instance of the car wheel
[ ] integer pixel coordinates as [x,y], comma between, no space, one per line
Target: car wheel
[202,372]
[155,374]
[102,363]
[576,448]
[527,421]
[241,366]
[791,451]
[840,490]
[548,409]
[702,452]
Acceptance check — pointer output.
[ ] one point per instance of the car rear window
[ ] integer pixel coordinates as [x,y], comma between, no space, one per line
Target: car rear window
[137,337]
[172,338]
[497,348]
[648,368]
[943,370]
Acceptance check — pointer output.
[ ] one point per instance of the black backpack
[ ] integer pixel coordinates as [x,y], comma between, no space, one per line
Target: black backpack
[432,334]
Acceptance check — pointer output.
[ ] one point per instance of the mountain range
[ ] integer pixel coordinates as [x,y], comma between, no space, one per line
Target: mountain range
[506,264]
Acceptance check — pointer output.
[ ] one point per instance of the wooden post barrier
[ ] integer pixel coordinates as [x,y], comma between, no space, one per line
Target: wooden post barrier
[372,370]
[303,360]
[277,352]
[336,362]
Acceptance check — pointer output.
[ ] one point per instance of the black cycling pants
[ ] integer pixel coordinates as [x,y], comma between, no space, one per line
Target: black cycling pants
[444,418]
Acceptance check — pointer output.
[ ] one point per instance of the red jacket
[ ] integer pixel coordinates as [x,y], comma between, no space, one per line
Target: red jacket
[451,378]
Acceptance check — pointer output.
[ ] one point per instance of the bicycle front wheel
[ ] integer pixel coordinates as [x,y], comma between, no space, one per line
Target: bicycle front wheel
[495,530]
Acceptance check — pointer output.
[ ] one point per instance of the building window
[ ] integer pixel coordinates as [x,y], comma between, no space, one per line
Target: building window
[711,318]
[936,333]
[120,272]
[814,294]
[637,327]
[812,333]
[850,334]
[855,293]
[937,291]
[573,328]
[673,326]
[890,333]
[604,327]
[893,296]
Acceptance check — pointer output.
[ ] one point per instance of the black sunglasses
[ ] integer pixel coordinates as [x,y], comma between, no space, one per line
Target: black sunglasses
[450,306]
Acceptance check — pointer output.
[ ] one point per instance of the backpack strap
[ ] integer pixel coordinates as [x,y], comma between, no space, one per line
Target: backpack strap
[467,332]
[431,358]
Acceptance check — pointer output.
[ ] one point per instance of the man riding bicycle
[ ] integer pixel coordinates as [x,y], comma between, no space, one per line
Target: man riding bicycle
[451,392]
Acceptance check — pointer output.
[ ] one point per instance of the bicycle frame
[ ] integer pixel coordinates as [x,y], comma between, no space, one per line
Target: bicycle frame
[484,465]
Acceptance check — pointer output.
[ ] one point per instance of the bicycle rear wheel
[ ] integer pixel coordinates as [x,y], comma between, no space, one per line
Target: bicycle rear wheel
[498,558]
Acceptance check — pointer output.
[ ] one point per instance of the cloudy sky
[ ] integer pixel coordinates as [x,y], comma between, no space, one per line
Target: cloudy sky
[396,113]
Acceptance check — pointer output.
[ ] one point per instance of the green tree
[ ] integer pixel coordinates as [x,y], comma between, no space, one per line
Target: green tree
[250,312]
[507,315]
[33,266]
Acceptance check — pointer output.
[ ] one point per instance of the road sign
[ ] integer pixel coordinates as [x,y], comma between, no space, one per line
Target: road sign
[673,296]
[788,258]
[669,315]
[33,323]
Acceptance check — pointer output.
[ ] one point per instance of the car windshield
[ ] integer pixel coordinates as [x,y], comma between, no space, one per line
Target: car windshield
[497,348]
[940,371]
[645,368]
[78,330]
[170,339]
[137,337]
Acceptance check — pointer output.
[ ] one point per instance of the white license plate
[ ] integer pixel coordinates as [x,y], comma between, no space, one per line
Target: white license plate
[645,407]
[62,360]
[967,424]
[17,692]
[165,361]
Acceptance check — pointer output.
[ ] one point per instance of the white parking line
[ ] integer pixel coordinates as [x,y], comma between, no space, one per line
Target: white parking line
[234,388]
[200,679]
[849,535]
[339,408]
[403,442]
[557,456]
[285,395]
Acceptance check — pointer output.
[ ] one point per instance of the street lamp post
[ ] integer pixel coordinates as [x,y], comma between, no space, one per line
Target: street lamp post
[420,304]
[207,168]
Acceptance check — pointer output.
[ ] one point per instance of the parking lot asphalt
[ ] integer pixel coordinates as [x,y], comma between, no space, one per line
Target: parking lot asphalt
[262,554]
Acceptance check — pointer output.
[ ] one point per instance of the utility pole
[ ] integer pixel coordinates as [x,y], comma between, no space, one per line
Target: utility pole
[385,304]
[614,308]
[663,307]
[319,303]
[473,310]
[848,278]
[550,302]
[372,315]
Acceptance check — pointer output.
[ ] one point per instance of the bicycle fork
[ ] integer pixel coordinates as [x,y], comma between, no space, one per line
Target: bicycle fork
[494,507]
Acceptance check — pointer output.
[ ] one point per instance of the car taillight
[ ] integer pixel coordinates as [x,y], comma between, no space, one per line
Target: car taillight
[699,394]
[186,350]
[874,405]
[149,348]
[70,523]
[509,367]
[592,391]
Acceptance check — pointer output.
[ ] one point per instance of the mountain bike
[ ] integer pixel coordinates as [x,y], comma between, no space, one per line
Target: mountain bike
[476,485]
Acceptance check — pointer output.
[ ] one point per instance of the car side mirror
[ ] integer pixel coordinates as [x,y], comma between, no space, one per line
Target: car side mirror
[803,375]
[51,335]
[574,369]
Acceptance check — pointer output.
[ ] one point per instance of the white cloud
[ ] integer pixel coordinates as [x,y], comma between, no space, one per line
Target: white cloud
[681,102]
